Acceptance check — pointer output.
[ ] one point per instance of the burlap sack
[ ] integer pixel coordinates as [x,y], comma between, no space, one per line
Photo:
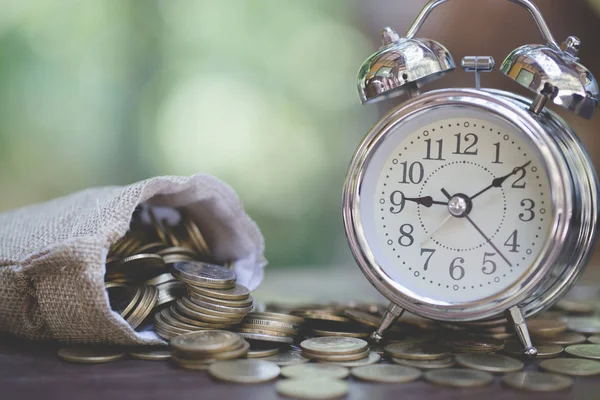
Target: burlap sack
[52,255]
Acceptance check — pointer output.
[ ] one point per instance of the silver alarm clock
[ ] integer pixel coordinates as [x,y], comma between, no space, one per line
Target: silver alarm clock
[472,205]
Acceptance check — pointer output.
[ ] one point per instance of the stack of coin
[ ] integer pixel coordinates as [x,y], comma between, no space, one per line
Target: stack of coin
[335,348]
[197,350]
[213,300]
[133,304]
[270,327]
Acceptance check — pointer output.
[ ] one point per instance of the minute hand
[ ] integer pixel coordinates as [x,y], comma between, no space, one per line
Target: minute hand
[497,182]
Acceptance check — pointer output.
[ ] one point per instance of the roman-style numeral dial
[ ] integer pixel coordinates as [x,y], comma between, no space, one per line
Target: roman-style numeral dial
[462,206]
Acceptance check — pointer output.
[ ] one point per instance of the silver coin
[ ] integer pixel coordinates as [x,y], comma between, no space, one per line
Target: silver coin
[244,371]
[537,381]
[372,358]
[312,389]
[459,377]
[287,357]
[386,373]
[311,371]
[204,274]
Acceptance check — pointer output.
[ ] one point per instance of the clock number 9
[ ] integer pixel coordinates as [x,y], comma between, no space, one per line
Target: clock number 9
[456,265]
[398,200]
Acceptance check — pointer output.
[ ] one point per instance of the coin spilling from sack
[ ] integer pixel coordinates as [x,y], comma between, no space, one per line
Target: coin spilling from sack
[210,328]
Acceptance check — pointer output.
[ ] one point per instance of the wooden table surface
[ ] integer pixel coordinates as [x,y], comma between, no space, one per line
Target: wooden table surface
[31,370]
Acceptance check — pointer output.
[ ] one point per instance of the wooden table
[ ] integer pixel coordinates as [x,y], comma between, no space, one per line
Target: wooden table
[31,370]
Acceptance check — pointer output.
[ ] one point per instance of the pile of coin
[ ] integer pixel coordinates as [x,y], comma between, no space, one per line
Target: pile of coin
[270,327]
[198,350]
[213,300]
[335,349]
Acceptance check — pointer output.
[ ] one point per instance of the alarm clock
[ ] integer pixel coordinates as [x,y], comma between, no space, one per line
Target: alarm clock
[471,205]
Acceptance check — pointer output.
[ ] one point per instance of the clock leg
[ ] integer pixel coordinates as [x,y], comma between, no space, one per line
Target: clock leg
[516,316]
[390,316]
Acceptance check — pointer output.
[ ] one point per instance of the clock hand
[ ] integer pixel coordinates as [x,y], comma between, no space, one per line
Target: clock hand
[426,201]
[497,182]
[436,229]
[479,229]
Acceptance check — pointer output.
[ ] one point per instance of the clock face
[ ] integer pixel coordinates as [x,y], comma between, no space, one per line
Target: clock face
[456,205]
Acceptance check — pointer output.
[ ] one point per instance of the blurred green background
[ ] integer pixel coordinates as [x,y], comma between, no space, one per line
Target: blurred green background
[259,93]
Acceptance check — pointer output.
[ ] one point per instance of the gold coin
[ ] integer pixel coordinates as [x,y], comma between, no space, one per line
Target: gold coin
[253,327]
[312,389]
[89,355]
[575,306]
[363,317]
[193,364]
[132,303]
[321,315]
[372,358]
[246,302]
[546,327]
[204,274]
[287,357]
[386,373]
[144,307]
[594,339]
[544,350]
[475,345]
[262,352]
[210,341]
[591,351]
[445,362]
[291,319]
[320,332]
[245,329]
[238,352]
[266,338]
[564,339]
[142,266]
[571,366]
[169,292]
[417,351]
[310,371]
[495,363]
[238,292]
[220,309]
[196,312]
[584,324]
[151,355]
[537,381]
[459,377]
[245,371]
[332,345]
[160,279]
[180,312]
[270,324]
[336,358]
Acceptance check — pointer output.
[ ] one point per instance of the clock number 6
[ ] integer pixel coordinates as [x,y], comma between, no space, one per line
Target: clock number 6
[454,267]
[489,262]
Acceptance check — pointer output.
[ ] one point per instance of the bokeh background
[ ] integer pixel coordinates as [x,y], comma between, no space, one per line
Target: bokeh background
[260,93]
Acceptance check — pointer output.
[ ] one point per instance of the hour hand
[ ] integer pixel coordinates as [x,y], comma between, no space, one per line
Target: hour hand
[426,201]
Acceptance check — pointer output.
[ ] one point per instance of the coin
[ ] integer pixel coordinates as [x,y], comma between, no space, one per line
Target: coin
[584,324]
[386,373]
[291,319]
[325,371]
[475,344]
[193,364]
[320,332]
[594,339]
[337,357]
[240,351]
[312,389]
[575,306]
[571,366]
[591,351]
[537,381]
[244,371]
[206,315]
[151,354]
[321,315]
[246,302]
[287,357]
[363,317]
[564,339]
[204,274]
[266,338]
[544,350]
[333,345]
[445,362]
[262,352]
[459,377]
[89,355]
[238,292]
[495,363]
[220,309]
[372,358]
[417,351]
[160,279]
[546,327]
[210,341]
